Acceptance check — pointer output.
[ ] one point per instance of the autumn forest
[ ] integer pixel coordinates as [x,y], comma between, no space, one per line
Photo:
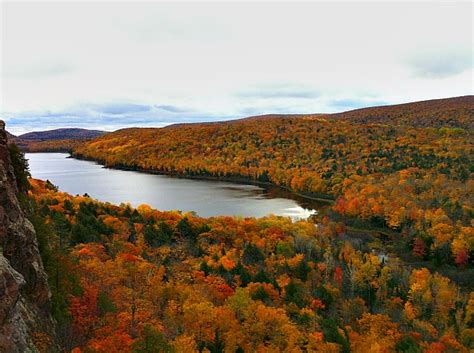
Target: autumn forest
[387,267]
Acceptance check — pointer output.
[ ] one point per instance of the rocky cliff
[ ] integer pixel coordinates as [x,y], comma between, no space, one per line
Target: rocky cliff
[25,320]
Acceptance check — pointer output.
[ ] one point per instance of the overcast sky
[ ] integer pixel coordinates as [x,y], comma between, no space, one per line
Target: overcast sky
[110,64]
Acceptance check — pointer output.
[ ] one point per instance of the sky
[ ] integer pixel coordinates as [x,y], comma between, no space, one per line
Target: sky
[108,65]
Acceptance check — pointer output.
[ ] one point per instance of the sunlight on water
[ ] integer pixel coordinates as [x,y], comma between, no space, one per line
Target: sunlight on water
[298,212]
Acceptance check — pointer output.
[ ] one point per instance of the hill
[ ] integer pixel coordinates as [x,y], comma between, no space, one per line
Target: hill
[58,140]
[455,112]
[61,134]
[408,167]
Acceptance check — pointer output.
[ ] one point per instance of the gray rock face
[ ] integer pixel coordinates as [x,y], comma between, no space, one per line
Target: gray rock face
[25,299]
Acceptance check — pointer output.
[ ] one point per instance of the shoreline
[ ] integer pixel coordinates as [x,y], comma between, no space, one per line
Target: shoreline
[327,199]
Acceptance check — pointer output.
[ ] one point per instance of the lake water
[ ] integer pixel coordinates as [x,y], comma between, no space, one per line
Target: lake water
[206,198]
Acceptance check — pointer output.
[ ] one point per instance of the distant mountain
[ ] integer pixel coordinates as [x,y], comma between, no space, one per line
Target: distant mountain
[58,140]
[61,134]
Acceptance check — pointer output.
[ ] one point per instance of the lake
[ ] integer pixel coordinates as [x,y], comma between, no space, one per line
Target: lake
[206,198]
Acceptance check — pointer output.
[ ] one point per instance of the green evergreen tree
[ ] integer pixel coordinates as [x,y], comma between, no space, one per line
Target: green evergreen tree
[20,167]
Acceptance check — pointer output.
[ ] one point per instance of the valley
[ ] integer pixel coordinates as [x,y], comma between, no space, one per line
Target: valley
[237,177]
[170,241]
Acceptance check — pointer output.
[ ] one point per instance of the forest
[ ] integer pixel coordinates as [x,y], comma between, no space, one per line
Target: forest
[127,279]
[406,168]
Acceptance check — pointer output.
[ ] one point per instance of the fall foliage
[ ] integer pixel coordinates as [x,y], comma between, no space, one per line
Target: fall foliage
[406,167]
[140,280]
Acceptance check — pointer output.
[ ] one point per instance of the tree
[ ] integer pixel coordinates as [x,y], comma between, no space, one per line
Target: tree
[242,292]
[376,334]
[151,236]
[185,229]
[295,293]
[462,258]
[407,344]
[302,270]
[419,248]
[333,333]
[252,254]
[152,341]
[20,167]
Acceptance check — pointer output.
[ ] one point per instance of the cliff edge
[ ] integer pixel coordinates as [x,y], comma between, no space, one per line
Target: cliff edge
[25,299]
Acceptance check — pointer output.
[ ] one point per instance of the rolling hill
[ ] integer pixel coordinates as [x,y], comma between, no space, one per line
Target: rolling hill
[61,134]
[455,112]
[57,140]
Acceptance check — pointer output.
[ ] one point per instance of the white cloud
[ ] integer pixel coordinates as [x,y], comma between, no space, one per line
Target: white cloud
[37,70]
[442,62]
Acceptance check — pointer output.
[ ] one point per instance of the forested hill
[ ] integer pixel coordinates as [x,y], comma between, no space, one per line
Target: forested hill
[455,112]
[58,140]
[61,134]
[414,179]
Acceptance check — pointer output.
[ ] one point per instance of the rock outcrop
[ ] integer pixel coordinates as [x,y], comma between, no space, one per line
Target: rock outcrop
[25,299]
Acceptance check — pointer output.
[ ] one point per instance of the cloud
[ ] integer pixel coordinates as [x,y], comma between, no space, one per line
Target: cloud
[111,116]
[270,109]
[155,26]
[354,103]
[172,108]
[123,108]
[441,64]
[38,71]
[279,91]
